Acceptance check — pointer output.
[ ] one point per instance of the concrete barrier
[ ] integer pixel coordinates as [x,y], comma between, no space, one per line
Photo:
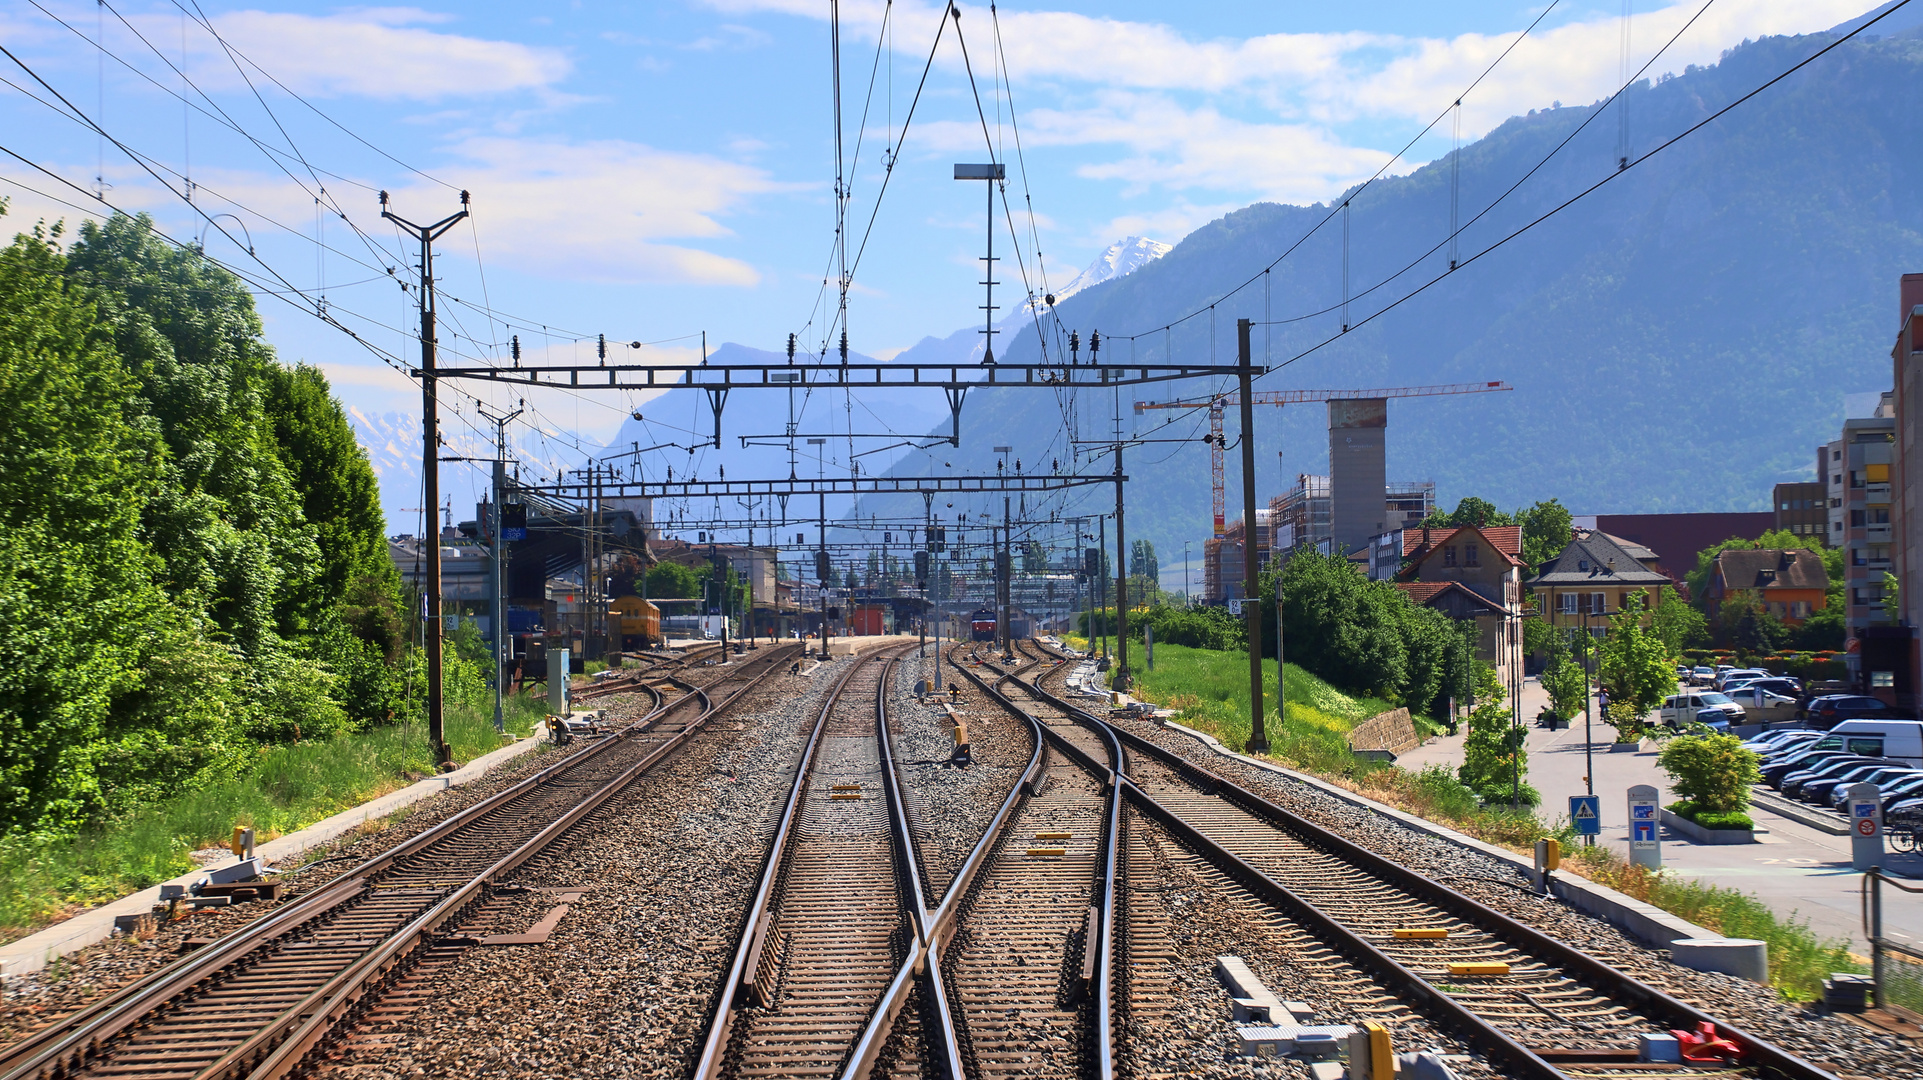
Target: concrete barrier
[1745,958]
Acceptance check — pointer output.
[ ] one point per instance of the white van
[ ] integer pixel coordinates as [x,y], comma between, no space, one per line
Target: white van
[1679,710]
[1899,739]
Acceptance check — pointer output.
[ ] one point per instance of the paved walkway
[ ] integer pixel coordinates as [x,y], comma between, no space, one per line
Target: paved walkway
[1793,868]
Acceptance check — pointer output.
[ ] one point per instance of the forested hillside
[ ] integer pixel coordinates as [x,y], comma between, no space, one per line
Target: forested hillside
[1678,341]
[192,560]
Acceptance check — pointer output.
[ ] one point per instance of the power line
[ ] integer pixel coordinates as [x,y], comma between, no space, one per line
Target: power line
[1632,163]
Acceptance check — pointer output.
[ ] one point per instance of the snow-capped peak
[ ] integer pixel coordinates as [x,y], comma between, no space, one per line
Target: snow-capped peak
[1121,259]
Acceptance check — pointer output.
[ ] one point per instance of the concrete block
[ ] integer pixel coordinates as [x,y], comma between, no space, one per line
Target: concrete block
[1251,1001]
[1274,1041]
[1326,1070]
[1745,958]
[1661,1048]
[244,870]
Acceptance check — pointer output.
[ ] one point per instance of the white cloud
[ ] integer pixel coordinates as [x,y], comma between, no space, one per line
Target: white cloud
[603,210]
[372,52]
[1255,115]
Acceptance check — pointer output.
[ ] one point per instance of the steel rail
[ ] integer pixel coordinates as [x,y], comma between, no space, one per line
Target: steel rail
[1104,891]
[732,994]
[64,1045]
[939,926]
[1620,986]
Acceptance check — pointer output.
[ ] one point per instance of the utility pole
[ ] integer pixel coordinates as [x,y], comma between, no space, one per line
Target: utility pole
[430,466]
[497,610]
[1251,589]
[1122,680]
[1101,549]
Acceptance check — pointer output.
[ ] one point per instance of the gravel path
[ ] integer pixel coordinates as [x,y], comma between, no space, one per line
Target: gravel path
[1801,1029]
[952,806]
[625,985]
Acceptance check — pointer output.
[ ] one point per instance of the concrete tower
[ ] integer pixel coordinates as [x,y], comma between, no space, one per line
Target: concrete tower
[1358,481]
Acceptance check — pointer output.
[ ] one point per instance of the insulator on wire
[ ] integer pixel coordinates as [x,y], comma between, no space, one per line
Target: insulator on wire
[601,349]
[514,347]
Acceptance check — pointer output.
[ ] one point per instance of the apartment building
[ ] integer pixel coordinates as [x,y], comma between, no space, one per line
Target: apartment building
[1897,658]
[1802,508]
[1858,474]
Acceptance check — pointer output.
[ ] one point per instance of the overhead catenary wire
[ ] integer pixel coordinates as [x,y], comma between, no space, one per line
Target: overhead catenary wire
[1611,176]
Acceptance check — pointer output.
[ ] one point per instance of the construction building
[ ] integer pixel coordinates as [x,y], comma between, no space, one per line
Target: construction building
[1303,516]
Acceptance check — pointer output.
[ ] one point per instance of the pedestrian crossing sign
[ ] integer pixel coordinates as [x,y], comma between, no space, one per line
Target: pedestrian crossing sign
[1586,812]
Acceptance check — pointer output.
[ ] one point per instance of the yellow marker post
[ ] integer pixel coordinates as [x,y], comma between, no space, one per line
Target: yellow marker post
[1055,851]
[1054,836]
[1479,969]
[1421,933]
[1371,1055]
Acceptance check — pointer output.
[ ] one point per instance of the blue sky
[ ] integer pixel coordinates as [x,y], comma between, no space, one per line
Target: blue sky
[653,171]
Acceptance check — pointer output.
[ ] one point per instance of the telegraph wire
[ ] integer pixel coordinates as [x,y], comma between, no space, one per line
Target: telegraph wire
[1611,176]
[1452,238]
[1335,208]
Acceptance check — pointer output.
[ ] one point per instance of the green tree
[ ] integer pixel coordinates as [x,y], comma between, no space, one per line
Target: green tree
[1546,530]
[1713,773]
[1563,680]
[1679,625]
[1633,663]
[109,688]
[1492,754]
[1366,636]
[672,581]
[1470,511]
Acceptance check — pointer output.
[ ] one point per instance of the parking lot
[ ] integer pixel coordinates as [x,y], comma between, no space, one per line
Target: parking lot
[1792,867]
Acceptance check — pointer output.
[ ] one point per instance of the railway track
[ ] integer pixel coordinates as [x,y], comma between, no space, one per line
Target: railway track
[837,904]
[1030,969]
[1540,1008]
[256,1003]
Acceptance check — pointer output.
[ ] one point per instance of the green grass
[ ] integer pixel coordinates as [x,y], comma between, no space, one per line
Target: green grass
[1211,688]
[1799,961]
[1212,691]
[288,788]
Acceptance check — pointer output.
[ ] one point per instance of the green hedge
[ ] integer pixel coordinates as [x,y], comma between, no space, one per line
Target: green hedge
[1712,819]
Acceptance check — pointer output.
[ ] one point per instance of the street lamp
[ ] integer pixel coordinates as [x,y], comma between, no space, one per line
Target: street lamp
[1588,740]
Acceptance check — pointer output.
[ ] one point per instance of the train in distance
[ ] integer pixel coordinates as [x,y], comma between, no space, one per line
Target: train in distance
[982,623]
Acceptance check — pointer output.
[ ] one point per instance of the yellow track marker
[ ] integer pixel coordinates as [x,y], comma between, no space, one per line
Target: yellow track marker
[1479,969]
[1047,851]
[1421,933]
[1054,836]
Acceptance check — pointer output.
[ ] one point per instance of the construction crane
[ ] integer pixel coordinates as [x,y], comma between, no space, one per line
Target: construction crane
[1215,405]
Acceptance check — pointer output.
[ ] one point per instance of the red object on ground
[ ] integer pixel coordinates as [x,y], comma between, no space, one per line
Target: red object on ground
[1704,1044]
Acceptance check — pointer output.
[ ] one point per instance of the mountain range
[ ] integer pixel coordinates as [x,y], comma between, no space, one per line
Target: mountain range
[1678,340]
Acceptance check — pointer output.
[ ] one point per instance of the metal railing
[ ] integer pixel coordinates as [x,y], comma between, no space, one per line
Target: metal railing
[1896,969]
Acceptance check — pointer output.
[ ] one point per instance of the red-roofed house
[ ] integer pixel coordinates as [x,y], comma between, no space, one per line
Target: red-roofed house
[1471,573]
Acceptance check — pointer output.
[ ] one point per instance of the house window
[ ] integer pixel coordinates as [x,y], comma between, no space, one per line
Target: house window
[1582,564]
[1857,518]
[1469,555]
[1449,555]
[1598,603]
[1568,603]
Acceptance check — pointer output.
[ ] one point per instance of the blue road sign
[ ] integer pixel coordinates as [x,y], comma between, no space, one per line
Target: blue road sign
[1645,832]
[1586,812]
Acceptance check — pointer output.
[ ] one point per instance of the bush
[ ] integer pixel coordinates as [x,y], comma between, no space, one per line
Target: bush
[1712,772]
[1712,819]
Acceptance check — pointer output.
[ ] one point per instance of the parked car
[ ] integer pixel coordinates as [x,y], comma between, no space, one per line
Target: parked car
[1724,678]
[1904,785]
[1701,675]
[1878,738]
[1679,708]
[1712,718]
[1763,706]
[1803,760]
[1830,709]
[1792,785]
[1817,792]
[1770,742]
